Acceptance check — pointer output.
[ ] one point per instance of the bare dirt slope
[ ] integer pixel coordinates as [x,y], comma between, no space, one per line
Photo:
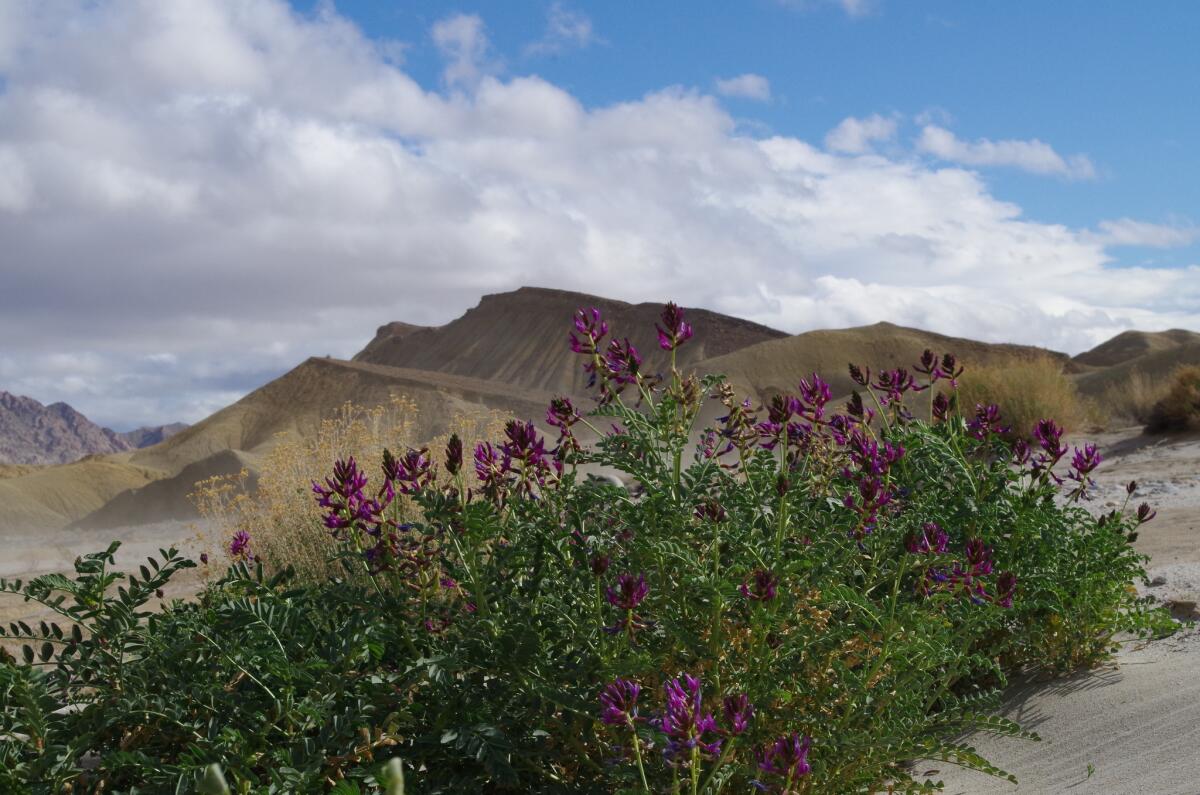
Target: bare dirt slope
[1130,345]
[55,496]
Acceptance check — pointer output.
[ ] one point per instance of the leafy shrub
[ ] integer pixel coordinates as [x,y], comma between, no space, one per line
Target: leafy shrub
[1179,408]
[1029,390]
[804,601]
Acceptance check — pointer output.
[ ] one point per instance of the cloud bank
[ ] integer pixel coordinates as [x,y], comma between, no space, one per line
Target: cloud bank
[195,197]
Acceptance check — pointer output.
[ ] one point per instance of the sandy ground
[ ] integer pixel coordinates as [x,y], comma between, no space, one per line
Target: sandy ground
[27,554]
[1133,727]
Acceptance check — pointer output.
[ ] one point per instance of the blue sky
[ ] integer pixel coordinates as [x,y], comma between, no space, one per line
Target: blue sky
[1108,80]
[195,197]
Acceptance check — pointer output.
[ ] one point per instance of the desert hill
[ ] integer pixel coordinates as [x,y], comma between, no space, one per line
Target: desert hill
[149,435]
[1130,345]
[55,496]
[31,433]
[510,354]
[520,338]
[776,366]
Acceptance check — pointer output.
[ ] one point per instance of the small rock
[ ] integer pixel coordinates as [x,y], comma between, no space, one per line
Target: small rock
[1183,609]
[1157,581]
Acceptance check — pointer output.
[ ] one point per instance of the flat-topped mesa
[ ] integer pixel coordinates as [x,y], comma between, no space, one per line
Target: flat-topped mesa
[520,338]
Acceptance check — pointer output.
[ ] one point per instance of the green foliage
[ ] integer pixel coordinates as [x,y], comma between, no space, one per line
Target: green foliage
[471,656]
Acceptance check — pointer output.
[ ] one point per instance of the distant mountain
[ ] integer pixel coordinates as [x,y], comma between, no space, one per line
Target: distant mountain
[520,338]
[31,433]
[152,434]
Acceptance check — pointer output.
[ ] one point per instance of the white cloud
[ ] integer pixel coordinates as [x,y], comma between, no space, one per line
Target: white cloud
[1128,232]
[462,40]
[565,29]
[285,188]
[1033,156]
[747,86]
[856,136]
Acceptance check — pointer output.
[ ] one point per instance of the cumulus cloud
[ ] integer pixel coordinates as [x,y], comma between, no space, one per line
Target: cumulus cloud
[747,86]
[1033,156]
[857,136]
[566,29]
[196,197]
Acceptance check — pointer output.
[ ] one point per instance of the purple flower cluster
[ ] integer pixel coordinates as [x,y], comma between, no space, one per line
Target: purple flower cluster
[674,331]
[871,461]
[630,591]
[618,703]
[986,422]
[686,723]
[618,364]
[932,540]
[239,546]
[1083,463]
[966,578]
[348,509]
[786,759]
[410,473]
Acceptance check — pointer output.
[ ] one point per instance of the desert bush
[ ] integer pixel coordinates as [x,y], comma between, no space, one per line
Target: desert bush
[278,508]
[804,602]
[1029,390]
[1179,408]
[1132,400]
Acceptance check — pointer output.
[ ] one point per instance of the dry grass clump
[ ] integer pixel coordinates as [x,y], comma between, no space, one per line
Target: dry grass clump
[281,515]
[1026,391]
[1179,408]
[1132,400]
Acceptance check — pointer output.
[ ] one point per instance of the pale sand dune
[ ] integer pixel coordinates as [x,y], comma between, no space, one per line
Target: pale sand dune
[1136,723]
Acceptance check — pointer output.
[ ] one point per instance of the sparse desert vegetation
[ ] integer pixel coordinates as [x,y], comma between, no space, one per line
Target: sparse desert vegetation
[1029,390]
[1179,407]
[805,601]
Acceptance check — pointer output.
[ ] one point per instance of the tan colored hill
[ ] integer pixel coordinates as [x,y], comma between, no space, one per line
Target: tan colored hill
[31,433]
[1157,366]
[1130,345]
[150,435]
[520,338]
[56,496]
[776,366]
[296,402]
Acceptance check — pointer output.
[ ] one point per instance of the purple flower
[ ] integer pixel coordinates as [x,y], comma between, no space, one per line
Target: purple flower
[858,376]
[204,558]
[762,587]
[941,407]
[239,546]
[1049,435]
[1083,463]
[787,757]
[738,712]
[618,703]
[986,421]
[492,468]
[1145,514]
[561,413]
[979,557]
[674,331]
[815,394]
[591,330]
[622,362]
[348,509]
[685,722]
[411,473]
[599,564]
[932,540]
[629,593]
